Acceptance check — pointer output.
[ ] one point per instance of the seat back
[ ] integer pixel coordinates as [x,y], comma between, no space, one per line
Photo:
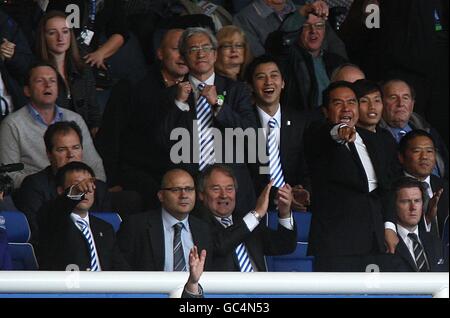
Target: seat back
[302,219]
[23,257]
[111,217]
[16,225]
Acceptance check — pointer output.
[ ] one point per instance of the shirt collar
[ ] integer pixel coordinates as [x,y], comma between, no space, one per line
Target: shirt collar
[37,117]
[264,117]
[219,219]
[195,82]
[403,232]
[75,217]
[169,221]
[264,10]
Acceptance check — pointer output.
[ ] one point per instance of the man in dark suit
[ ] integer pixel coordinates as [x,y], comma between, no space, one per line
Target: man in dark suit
[63,142]
[351,219]
[240,243]
[69,235]
[267,82]
[417,154]
[418,250]
[205,104]
[147,240]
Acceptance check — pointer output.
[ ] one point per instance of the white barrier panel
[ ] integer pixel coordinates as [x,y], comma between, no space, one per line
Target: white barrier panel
[436,284]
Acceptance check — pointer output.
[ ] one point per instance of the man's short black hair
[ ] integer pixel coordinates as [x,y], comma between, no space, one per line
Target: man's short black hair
[263,59]
[335,85]
[70,167]
[62,127]
[404,142]
[36,65]
[364,87]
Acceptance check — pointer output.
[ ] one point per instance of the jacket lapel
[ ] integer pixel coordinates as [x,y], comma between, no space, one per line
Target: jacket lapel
[156,237]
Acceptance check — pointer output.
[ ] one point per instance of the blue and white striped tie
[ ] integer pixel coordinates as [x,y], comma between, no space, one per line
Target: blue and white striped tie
[84,227]
[241,252]
[276,172]
[206,137]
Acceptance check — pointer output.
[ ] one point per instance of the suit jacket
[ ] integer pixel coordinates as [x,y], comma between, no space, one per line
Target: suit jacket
[38,188]
[292,155]
[61,243]
[141,240]
[433,250]
[442,213]
[260,242]
[347,219]
[236,112]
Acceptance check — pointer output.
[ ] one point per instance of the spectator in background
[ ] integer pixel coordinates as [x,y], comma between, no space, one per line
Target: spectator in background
[347,72]
[21,133]
[233,54]
[417,154]
[5,257]
[308,68]
[418,250]
[399,119]
[15,59]
[56,44]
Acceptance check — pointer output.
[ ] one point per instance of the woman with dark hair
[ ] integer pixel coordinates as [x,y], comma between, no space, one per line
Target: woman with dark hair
[233,54]
[57,45]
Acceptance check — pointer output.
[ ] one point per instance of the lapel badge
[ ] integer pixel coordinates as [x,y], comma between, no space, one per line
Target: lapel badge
[288,123]
[101,234]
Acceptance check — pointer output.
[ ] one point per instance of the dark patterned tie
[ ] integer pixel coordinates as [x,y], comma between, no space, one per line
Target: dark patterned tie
[179,263]
[419,254]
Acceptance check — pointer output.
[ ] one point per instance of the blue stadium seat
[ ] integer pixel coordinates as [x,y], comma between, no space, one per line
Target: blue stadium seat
[18,232]
[111,217]
[298,261]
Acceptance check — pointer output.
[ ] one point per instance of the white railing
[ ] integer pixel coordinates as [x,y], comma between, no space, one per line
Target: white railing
[436,284]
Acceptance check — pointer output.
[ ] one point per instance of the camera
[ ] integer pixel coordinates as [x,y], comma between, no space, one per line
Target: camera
[6,183]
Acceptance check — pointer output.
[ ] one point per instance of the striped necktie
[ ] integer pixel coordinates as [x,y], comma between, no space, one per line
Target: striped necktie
[419,254]
[84,228]
[241,252]
[276,172]
[179,263]
[206,137]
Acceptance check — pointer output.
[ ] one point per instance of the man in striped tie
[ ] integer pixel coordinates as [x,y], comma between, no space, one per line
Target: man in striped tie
[69,236]
[242,242]
[418,250]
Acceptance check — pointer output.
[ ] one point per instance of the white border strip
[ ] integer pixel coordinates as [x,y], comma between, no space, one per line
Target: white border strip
[436,284]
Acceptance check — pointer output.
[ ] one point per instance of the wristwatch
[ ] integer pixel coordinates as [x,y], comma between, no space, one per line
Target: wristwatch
[256,215]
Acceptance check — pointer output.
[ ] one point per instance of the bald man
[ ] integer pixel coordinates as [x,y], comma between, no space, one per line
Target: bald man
[347,72]
[160,240]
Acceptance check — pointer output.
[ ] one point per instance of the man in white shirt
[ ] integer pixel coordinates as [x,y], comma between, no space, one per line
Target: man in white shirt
[418,250]
[240,243]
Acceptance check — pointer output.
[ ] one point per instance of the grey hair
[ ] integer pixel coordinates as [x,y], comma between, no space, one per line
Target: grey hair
[338,69]
[201,179]
[189,32]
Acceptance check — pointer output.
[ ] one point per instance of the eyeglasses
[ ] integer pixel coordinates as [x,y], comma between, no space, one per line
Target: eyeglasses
[318,26]
[179,189]
[229,47]
[204,49]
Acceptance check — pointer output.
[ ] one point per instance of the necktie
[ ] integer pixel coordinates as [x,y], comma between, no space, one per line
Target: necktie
[206,137]
[419,254]
[241,251]
[84,227]
[276,172]
[179,263]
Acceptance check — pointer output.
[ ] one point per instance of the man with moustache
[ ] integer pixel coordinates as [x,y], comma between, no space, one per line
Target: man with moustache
[160,240]
[352,220]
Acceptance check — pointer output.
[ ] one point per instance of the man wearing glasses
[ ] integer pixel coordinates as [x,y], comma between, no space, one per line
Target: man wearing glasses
[308,67]
[204,104]
[161,240]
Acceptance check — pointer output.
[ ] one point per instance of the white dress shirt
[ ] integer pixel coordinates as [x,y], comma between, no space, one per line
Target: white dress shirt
[76,217]
[264,118]
[194,83]
[403,232]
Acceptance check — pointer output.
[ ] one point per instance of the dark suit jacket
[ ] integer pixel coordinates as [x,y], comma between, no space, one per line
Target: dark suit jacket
[38,188]
[292,155]
[433,251]
[442,213]
[260,242]
[347,219]
[236,112]
[61,243]
[141,240]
